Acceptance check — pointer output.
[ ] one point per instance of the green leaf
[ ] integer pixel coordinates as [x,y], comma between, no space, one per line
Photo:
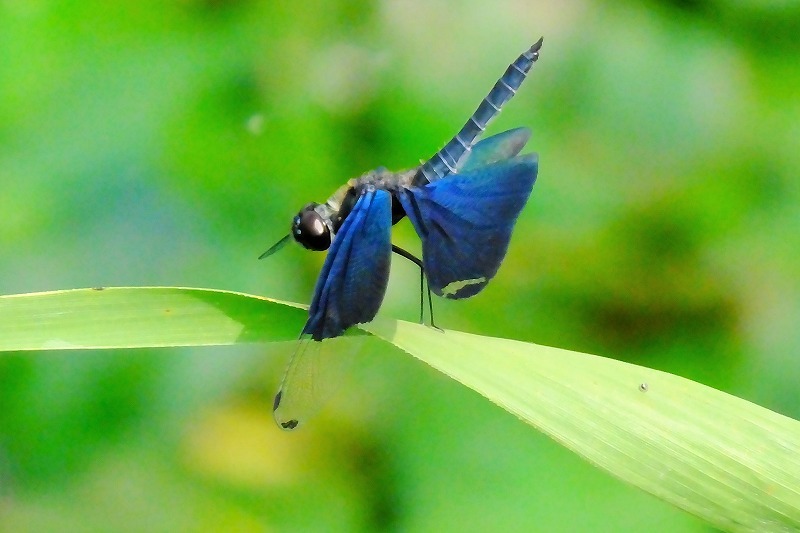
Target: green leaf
[141,317]
[726,460]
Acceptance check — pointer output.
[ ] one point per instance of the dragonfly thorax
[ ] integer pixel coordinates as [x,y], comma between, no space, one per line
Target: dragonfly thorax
[311,229]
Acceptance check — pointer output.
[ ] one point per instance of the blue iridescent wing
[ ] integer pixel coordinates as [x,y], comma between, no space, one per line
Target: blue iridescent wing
[465,222]
[352,283]
[495,148]
[349,291]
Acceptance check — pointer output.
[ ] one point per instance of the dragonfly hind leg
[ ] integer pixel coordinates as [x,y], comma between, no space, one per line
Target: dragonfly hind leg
[414,259]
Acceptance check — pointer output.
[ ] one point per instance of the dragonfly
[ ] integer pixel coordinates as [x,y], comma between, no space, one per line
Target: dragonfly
[463,203]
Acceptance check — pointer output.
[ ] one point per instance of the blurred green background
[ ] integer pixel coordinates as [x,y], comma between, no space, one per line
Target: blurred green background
[169,143]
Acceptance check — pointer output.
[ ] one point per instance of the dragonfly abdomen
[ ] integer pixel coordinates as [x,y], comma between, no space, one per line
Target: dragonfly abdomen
[446,160]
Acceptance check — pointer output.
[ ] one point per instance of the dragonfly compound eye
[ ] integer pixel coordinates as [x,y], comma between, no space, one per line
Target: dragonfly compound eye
[310,230]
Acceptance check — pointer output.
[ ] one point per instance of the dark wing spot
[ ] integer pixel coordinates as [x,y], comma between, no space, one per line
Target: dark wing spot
[289,424]
[277,400]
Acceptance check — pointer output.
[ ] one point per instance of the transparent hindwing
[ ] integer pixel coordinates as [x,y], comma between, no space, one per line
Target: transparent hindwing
[316,370]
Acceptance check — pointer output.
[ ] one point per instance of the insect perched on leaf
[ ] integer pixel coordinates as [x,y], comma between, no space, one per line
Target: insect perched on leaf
[463,202]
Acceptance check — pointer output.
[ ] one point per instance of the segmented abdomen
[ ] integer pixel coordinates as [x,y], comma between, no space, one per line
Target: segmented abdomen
[446,160]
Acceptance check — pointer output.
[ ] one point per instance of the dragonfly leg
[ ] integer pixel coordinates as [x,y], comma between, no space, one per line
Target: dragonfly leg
[422,300]
[430,306]
[421,296]
[414,259]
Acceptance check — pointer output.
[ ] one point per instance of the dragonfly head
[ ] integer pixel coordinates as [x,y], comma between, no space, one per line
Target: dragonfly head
[310,228]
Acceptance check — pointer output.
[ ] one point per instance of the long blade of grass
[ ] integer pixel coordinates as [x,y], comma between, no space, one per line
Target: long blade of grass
[140,317]
[726,460]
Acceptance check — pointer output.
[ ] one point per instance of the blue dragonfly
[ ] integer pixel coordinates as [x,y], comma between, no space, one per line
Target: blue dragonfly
[463,203]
